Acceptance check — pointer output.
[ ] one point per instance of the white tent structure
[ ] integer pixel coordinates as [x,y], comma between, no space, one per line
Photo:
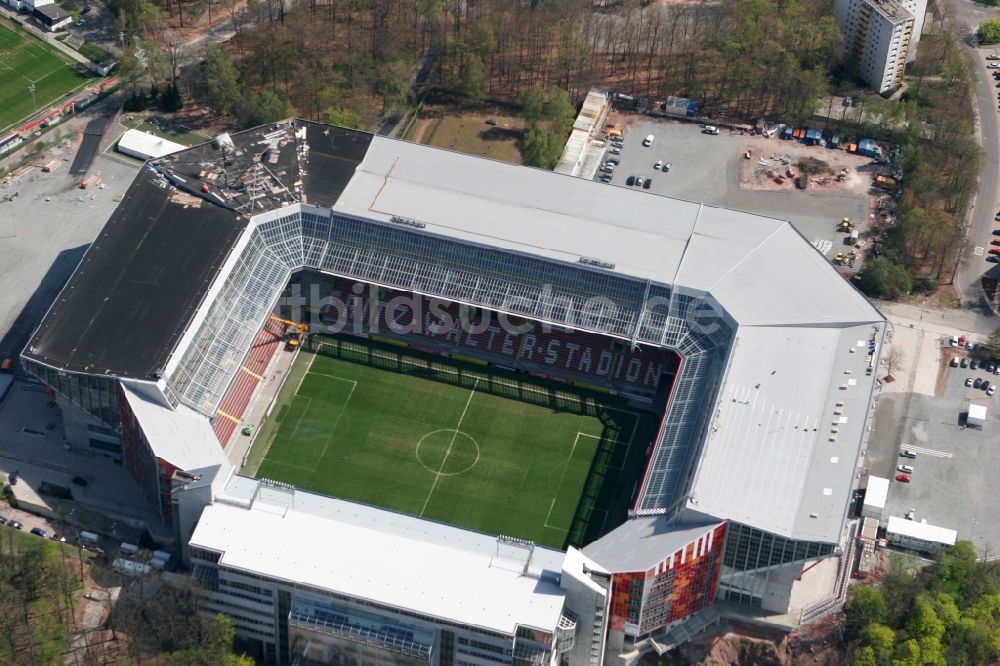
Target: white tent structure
[146,146]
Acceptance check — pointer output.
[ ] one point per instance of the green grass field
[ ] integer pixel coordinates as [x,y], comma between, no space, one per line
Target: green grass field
[26,60]
[453,442]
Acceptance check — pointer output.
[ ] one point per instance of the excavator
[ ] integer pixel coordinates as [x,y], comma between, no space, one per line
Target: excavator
[294,332]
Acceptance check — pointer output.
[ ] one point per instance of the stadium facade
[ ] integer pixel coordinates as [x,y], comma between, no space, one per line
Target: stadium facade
[153,347]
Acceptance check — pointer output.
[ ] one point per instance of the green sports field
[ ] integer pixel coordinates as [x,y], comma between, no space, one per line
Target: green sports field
[25,60]
[455,442]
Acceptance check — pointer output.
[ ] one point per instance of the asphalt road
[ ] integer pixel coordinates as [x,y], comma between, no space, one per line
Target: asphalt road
[968,16]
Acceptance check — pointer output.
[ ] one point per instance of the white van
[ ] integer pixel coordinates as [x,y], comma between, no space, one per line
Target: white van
[648,141]
[711,129]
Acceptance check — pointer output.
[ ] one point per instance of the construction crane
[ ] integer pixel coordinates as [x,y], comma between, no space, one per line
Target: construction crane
[293,333]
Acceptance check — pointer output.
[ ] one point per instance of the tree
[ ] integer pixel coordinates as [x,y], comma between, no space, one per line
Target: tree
[474,79]
[893,359]
[880,638]
[923,621]
[866,657]
[989,31]
[533,105]
[222,80]
[560,112]
[263,107]
[992,346]
[884,279]
[536,148]
[866,606]
[907,654]
[956,567]
[344,117]
[171,98]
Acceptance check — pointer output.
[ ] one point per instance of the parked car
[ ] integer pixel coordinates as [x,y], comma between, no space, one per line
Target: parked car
[973,364]
[907,453]
[975,384]
[964,362]
[906,469]
[953,341]
[996,232]
[993,259]
[3,521]
[615,150]
[985,385]
[970,345]
[658,165]
[910,514]
[605,178]
[710,129]
[666,167]
[992,367]
[954,361]
[630,181]
[15,524]
[995,250]
[646,183]
[612,160]
[648,141]
[903,478]
[80,481]
[991,390]
[38,531]
[639,182]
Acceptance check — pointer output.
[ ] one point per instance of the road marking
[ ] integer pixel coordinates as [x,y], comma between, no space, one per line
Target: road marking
[979,250]
[437,476]
[928,452]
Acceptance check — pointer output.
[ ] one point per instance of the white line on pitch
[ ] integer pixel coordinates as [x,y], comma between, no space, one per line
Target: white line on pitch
[447,453]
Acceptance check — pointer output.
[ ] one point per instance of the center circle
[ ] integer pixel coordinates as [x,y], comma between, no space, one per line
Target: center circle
[447,452]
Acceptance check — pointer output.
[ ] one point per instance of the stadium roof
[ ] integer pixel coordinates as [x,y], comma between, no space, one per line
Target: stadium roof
[801,330]
[138,285]
[642,543]
[181,436]
[436,570]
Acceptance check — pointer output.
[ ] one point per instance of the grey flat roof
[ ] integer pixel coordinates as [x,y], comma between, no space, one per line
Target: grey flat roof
[641,543]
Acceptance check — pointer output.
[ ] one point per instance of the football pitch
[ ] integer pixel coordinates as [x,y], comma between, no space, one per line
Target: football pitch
[455,442]
[24,61]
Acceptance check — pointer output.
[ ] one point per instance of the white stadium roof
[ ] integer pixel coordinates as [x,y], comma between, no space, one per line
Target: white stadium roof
[784,399]
[388,558]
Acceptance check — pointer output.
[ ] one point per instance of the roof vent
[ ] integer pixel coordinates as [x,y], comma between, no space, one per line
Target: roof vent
[407,222]
[598,263]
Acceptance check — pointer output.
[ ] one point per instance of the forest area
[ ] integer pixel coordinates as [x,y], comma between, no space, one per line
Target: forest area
[353,60]
[945,615]
[41,594]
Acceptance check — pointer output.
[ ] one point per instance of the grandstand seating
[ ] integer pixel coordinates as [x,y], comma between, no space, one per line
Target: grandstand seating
[530,345]
[237,397]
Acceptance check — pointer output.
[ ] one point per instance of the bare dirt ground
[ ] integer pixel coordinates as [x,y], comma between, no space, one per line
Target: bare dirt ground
[774,158]
[816,644]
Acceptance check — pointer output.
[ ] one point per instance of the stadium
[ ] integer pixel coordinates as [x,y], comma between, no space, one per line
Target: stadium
[615,411]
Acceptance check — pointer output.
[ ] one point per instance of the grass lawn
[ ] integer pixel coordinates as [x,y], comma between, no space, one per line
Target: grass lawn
[466,131]
[26,60]
[176,133]
[453,442]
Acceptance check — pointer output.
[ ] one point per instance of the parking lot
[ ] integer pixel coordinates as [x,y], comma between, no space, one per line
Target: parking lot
[706,168]
[953,482]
